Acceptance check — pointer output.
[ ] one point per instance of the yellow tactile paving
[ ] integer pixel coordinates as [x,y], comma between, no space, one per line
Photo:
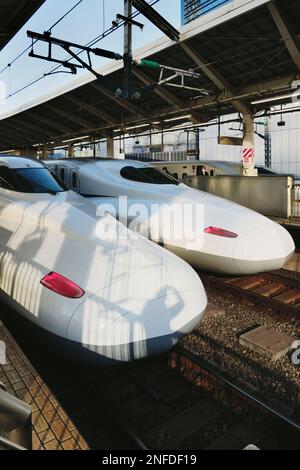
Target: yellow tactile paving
[51,427]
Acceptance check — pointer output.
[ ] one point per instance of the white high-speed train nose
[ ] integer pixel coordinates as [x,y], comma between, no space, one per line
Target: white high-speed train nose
[264,248]
[141,314]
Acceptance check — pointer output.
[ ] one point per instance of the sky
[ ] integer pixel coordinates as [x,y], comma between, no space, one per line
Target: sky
[85,23]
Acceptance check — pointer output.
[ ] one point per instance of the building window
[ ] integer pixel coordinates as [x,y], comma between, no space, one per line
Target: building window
[192,9]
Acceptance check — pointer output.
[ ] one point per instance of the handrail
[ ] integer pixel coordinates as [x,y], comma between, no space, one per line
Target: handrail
[5,444]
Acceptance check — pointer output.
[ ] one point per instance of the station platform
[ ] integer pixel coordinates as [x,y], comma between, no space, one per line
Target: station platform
[52,429]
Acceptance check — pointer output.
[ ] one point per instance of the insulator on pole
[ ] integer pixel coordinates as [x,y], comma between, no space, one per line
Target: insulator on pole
[150,64]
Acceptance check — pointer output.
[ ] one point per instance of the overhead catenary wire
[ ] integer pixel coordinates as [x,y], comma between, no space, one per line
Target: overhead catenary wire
[65,15]
[48,31]
[89,44]
[93,42]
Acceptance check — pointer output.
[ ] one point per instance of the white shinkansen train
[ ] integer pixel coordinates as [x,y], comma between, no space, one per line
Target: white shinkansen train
[226,238]
[114,295]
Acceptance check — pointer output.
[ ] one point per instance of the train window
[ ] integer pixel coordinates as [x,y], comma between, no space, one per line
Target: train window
[147,175]
[175,175]
[62,174]
[211,172]
[74,180]
[6,178]
[37,180]
[184,175]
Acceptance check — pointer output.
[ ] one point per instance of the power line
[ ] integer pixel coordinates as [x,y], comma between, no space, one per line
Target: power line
[65,15]
[89,44]
[49,31]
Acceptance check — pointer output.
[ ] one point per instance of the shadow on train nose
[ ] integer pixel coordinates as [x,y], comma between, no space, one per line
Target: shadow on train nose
[134,328]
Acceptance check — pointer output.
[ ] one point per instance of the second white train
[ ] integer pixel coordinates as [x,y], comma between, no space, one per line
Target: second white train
[209,232]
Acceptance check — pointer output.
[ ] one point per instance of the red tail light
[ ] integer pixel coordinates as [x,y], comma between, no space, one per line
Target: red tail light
[220,232]
[62,286]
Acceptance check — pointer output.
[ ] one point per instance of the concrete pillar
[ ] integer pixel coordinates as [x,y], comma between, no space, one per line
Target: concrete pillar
[44,152]
[30,152]
[110,147]
[248,146]
[71,153]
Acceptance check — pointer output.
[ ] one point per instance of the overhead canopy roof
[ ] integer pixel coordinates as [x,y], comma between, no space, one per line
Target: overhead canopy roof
[13,15]
[244,51]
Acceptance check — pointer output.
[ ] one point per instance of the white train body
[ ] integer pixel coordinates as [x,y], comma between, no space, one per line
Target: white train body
[115,294]
[225,237]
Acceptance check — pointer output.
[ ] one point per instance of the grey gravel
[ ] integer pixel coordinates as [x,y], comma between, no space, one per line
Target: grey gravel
[215,340]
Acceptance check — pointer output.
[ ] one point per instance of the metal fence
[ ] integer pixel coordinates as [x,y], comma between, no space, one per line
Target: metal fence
[158,156]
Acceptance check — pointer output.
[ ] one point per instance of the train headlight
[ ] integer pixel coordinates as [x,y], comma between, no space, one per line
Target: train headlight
[62,286]
[220,232]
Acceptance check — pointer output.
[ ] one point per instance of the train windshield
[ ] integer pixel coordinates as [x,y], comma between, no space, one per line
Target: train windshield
[147,175]
[31,180]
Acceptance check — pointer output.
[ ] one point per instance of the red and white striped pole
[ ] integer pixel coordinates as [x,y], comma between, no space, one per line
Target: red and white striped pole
[248,147]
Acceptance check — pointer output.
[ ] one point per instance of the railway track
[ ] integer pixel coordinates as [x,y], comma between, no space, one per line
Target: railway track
[170,402]
[279,290]
[187,405]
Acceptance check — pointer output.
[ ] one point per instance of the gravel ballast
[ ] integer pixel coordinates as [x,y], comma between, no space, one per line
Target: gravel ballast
[216,340]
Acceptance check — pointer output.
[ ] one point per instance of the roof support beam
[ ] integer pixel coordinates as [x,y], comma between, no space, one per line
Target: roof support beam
[91,109]
[132,108]
[48,122]
[10,128]
[286,35]
[214,76]
[24,126]
[167,95]
[207,105]
[5,137]
[250,92]
[69,116]
[15,136]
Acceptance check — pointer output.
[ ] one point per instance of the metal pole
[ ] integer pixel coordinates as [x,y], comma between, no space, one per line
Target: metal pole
[198,144]
[268,144]
[187,142]
[127,85]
